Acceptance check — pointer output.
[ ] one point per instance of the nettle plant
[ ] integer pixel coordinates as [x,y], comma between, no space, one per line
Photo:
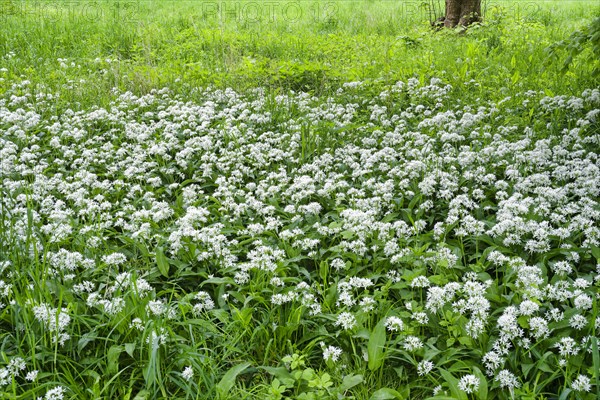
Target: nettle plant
[298,381]
[387,241]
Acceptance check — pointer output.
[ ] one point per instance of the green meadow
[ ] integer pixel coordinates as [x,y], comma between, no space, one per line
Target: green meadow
[299,200]
[305,45]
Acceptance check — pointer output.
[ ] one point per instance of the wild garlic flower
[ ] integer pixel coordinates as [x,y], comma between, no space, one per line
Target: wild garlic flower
[332,353]
[424,367]
[188,373]
[53,319]
[469,383]
[394,324]
[567,347]
[346,320]
[581,384]
[507,380]
[31,375]
[412,343]
[55,394]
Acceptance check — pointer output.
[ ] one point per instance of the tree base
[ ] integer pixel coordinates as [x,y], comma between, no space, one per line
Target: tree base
[462,12]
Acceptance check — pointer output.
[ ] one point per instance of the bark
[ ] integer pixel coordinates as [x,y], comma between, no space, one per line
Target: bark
[462,12]
[453,8]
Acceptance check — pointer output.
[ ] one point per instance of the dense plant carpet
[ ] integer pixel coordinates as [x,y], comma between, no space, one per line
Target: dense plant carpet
[386,241]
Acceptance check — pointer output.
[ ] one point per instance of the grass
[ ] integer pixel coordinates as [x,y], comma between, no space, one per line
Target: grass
[227,45]
[307,200]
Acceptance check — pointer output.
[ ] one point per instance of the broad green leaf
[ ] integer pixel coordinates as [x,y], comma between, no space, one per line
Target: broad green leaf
[91,373]
[385,393]
[526,368]
[405,393]
[162,262]
[565,394]
[441,398]
[347,235]
[307,374]
[350,381]
[413,202]
[465,341]
[362,333]
[142,395]
[228,380]
[336,224]
[453,384]
[113,359]
[596,252]
[281,373]
[217,281]
[85,339]
[130,348]
[515,77]
[376,345]
[482,392]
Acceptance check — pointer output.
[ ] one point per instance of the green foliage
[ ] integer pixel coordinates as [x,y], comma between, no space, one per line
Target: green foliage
[376,346]
[296,381]
[228,380]
[128,48]
[585,41]
[181,321]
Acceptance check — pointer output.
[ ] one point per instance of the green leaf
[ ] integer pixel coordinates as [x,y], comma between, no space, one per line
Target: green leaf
[347,235]
[526,368]
[441,398]
[596,252]
[280,373]
[465,341]
[483,386]
[307,374]
[385,393]
[217,281]
[453,384]
[162,261]
[439,280]
[376,345]
[390,217]
[336,224]
[228,380]
[565,394]
[515,77]
[142,395]
[323,271]
[85,339]
[113,359]
[596,359]
[405,393]
[413,202]
[350,381]
[130,348]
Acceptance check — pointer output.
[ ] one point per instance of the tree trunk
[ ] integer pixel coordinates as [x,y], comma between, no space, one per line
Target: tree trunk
[462,12]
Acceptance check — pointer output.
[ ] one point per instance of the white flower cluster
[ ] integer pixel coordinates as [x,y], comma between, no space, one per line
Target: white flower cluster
[403,204]
[331,353]
[54,320]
